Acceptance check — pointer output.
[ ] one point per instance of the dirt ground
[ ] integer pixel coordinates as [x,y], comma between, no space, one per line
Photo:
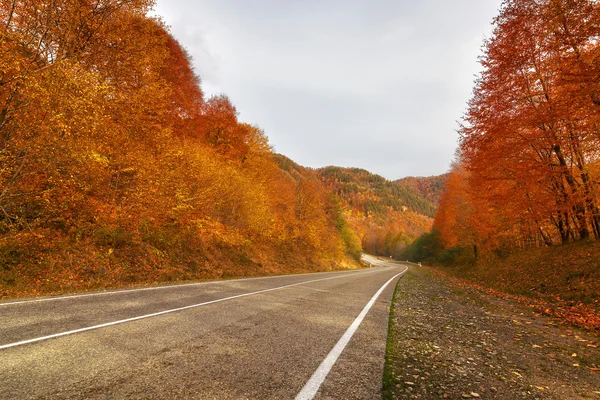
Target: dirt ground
[451,341]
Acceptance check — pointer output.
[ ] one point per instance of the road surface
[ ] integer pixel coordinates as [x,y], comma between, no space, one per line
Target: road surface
[305,336]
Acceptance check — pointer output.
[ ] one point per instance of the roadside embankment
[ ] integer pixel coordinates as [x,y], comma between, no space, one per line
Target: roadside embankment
[561,281]
[40,266]
[449,340]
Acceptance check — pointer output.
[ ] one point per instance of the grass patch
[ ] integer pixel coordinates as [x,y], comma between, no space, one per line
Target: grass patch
[389,381]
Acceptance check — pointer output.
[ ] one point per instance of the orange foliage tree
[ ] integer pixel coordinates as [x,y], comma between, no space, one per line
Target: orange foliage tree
[530,139]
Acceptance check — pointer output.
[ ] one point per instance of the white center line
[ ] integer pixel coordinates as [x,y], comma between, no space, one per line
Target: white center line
[311,387]
[89,328]
[181,285]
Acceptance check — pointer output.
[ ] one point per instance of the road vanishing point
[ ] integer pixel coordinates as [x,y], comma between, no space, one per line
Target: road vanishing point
[310,336]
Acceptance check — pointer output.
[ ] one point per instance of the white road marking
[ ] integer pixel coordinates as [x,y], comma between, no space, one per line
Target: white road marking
[125,291]
[311,387]
[122,321]
[75,296]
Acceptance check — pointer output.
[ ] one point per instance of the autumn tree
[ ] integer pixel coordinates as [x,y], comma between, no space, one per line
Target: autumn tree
[530,136]
[186,100]
[456,211]
[221,130]
[48,97]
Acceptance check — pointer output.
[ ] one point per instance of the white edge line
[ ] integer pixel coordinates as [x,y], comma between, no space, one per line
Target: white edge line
[125,291]
[311,387]
[89,328]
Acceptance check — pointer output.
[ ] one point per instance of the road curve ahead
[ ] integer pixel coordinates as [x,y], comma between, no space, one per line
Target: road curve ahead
[318,336]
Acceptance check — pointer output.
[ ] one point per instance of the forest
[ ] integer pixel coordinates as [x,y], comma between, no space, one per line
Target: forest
[386,215]
[527,174]
[527,170]
[115,168]
[520,210]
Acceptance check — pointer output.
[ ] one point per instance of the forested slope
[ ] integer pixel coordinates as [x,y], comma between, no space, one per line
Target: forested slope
[386,215]
[521,208]
[429,188]
[115,168]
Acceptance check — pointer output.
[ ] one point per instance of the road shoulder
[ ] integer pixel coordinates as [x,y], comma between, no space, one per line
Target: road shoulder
[449,340]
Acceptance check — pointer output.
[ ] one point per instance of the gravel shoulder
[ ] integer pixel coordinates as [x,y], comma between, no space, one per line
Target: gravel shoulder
[448,340]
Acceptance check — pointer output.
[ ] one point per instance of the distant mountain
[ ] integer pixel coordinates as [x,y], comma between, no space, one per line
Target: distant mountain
[366,192]
[429,188]
[387,215]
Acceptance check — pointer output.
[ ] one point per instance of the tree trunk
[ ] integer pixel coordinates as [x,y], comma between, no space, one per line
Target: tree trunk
[547,239]
[578,207]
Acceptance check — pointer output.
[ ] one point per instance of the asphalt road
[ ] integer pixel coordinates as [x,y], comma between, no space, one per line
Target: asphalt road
[284,337]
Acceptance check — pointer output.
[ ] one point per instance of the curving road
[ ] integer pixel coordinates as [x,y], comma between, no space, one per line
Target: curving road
[305,336]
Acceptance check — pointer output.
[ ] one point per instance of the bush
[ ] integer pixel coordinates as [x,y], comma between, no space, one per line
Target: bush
[426,248]
[158,238]
[352,242]
[458,256]
[11,254]
[112,236]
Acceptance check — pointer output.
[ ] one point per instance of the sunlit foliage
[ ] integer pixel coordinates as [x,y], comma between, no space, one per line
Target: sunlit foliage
[115,168]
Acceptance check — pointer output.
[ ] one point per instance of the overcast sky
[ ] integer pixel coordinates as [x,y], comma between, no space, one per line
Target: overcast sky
[373,84]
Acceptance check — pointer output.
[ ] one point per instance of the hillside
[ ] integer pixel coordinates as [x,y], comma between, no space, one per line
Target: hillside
[292,169]
[370,193]
[100,187]
[386,215]
[429,188]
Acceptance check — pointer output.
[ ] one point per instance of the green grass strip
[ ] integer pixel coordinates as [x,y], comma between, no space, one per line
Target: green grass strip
[388,378]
